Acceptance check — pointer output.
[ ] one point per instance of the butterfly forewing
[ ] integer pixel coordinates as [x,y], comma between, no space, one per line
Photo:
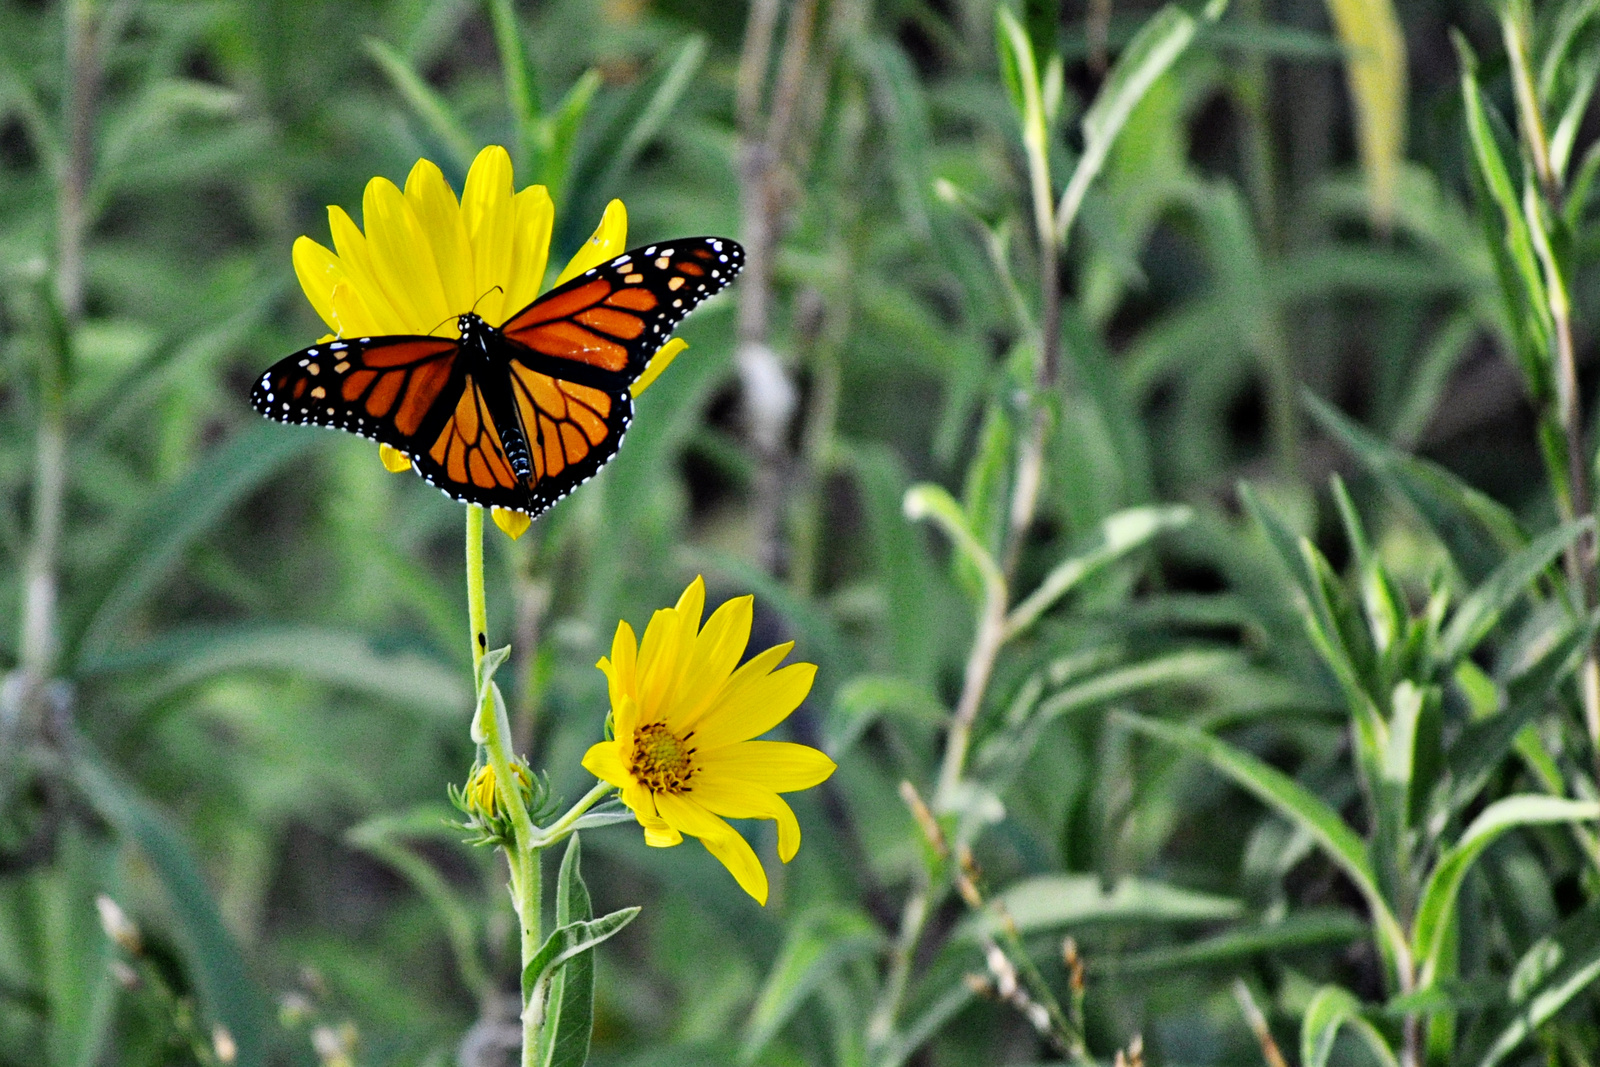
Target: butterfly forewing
[514,417]
[391,389]
[615,316]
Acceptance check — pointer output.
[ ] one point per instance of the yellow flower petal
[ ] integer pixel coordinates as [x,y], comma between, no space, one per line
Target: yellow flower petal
[513,523]
[781,766]
[490,219]
[658,663]
[624,664]
[351,316]
[733,798]
[752,698]
[658,363]
[609,240]
[402,258]
[356,255]
[716,653]
[604,761]
[530,252]
[439,217]
[625,720]
[318,270]
[720,839]
[657,834]
[394,460]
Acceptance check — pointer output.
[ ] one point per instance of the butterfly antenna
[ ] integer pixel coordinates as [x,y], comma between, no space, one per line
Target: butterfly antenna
[485,296]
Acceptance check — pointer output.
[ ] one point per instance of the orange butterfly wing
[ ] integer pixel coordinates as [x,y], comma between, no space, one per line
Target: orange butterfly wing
[514,417]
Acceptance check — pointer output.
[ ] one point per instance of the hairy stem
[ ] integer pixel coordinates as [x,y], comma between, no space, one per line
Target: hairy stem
[522,856]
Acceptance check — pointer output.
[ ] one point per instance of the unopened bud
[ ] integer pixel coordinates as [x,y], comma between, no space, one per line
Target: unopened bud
[118,927]
[979,984]
[1136,1051]
[293,1010]
[223,1045]
[124,975]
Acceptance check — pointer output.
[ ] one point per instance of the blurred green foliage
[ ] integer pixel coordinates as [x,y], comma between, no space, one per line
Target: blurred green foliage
[1055,283]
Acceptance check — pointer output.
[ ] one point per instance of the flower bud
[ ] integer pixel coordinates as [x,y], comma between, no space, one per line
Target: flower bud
[118,927]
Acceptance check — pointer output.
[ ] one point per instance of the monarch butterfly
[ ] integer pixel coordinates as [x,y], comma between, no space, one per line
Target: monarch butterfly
[514,416]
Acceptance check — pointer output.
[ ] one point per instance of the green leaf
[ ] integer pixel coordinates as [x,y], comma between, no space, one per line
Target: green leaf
[1480,611]
[350,661]
[1295,803]
[565,943]
[1053,901]
[1153,50]
[818,945]
[172,521]
[560,132]
[1485,742]
[929,501]
[1550,974]
[1120,534]
[654,114]
[1323,926]
[903,1045]
[382,837]
[1479,532]
[1436,906]
[429,106]
[1332,1008]
[862,700]
[522,95]
[211,956]
[564,1041]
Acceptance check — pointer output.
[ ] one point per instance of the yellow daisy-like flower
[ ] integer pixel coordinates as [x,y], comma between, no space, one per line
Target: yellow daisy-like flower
[425,259]
[683,720]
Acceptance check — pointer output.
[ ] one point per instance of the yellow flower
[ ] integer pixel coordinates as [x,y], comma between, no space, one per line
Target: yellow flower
[425,259]
[683,720]
[480,791]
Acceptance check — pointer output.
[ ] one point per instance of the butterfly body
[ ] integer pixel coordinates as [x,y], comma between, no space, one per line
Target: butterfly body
[517,415]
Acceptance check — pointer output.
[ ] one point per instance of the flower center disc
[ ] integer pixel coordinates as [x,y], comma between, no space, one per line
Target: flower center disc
[660,759]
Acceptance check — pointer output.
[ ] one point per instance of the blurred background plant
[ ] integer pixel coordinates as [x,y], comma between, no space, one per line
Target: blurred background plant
[1132,764]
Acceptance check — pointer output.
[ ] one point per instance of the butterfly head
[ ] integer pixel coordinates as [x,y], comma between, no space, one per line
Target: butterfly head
[474,331]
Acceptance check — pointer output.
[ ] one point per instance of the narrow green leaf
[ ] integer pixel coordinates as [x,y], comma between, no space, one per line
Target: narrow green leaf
[211,956]
[1153,50]
[929,501]
[431,108]
[1118,535]
[1436,906]
[348,660]
[1480,611]
[864,699]
[1306,929]
[1053,901]
[560,133]
[382,838]
[172,521]
[1331,1009]
[1479,532]
[522,95]
[653,116]
[1550,974]
[818,945]
[1292,801]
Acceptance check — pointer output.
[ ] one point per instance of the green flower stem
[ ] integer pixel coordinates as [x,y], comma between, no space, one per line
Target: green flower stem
[561,829]
[523,856]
